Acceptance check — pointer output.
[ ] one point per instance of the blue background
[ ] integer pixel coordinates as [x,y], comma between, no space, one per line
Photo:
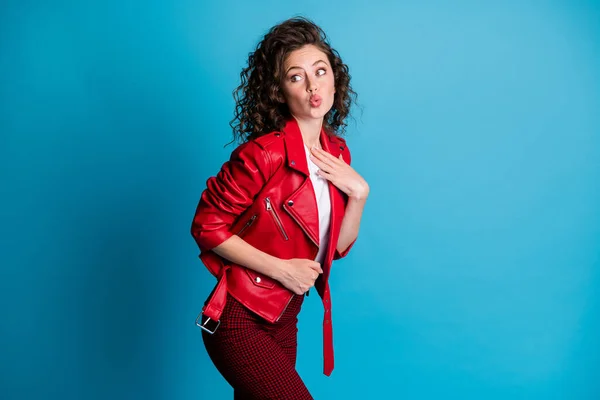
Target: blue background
[476,274]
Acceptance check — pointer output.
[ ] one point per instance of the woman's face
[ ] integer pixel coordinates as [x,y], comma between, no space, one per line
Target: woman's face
[308,83]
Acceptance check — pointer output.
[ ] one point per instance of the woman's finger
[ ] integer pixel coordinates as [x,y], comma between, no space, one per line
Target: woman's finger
[325,175]
[322,165]
[322,159]
[328,156]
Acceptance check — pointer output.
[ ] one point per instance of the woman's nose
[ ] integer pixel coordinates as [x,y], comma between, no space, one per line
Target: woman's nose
[311,86]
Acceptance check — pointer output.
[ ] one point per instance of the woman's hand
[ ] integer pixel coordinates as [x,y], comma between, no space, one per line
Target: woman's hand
[299,274]
[342,175]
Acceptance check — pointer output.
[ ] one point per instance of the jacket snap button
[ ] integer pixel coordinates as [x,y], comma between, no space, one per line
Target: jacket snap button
[257,279]
[293,162]
[277,134]
[342,148]
[290,203]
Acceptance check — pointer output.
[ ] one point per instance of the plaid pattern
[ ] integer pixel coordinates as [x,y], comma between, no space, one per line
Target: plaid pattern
[258,358]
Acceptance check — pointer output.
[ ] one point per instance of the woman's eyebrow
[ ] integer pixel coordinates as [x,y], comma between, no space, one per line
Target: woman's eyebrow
[315,63]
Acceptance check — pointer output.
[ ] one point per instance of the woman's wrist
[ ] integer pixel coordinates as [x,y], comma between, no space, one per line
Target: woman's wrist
[275,268]
[360,195]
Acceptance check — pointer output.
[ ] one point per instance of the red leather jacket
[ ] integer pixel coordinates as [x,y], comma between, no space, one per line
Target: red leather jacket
[264,195]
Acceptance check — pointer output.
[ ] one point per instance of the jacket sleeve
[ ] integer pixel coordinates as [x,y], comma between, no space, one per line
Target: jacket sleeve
[343,254]
[229,194]
[347,158]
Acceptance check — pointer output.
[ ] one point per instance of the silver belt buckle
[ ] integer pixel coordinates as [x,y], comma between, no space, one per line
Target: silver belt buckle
[209,325]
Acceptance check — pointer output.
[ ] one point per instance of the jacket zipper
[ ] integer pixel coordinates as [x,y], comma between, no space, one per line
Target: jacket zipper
[284,308]
[313,257]
[304,230]
[276,218]
[247,225]
[280,226]
[292,296]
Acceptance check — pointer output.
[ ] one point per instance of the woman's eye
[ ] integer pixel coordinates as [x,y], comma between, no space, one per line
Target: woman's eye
[321,71]
[295,78]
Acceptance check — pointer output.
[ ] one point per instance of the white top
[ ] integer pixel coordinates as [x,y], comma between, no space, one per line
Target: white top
[321,188]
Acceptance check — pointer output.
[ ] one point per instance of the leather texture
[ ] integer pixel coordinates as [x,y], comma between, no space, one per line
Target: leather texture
[264,195]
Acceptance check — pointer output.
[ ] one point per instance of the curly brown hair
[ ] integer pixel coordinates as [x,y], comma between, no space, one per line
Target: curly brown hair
[258,108]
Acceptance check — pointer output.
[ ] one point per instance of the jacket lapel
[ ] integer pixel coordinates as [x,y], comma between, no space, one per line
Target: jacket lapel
[302,204]
[304,210]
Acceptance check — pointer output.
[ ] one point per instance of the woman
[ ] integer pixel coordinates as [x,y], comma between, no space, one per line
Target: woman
[277,214]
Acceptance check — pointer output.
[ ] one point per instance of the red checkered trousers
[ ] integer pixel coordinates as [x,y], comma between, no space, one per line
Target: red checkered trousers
[256,357]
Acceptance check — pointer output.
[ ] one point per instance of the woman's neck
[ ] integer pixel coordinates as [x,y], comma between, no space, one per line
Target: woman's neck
[311,131]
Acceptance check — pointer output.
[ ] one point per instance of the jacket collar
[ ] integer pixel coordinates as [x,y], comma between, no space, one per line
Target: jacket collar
[296,155]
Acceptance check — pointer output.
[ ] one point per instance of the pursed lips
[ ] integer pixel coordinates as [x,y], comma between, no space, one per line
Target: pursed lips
[315,100]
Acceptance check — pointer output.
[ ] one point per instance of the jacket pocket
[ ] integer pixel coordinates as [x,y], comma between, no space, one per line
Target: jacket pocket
[276,219]
[247,225]
[259,279]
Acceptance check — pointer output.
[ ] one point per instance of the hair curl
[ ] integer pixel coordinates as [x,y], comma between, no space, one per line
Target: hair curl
[258,108]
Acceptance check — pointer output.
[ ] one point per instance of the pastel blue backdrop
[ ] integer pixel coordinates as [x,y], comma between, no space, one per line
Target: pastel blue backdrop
[476,274]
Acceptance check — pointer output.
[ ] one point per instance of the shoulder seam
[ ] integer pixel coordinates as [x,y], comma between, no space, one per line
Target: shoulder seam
[266,153]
